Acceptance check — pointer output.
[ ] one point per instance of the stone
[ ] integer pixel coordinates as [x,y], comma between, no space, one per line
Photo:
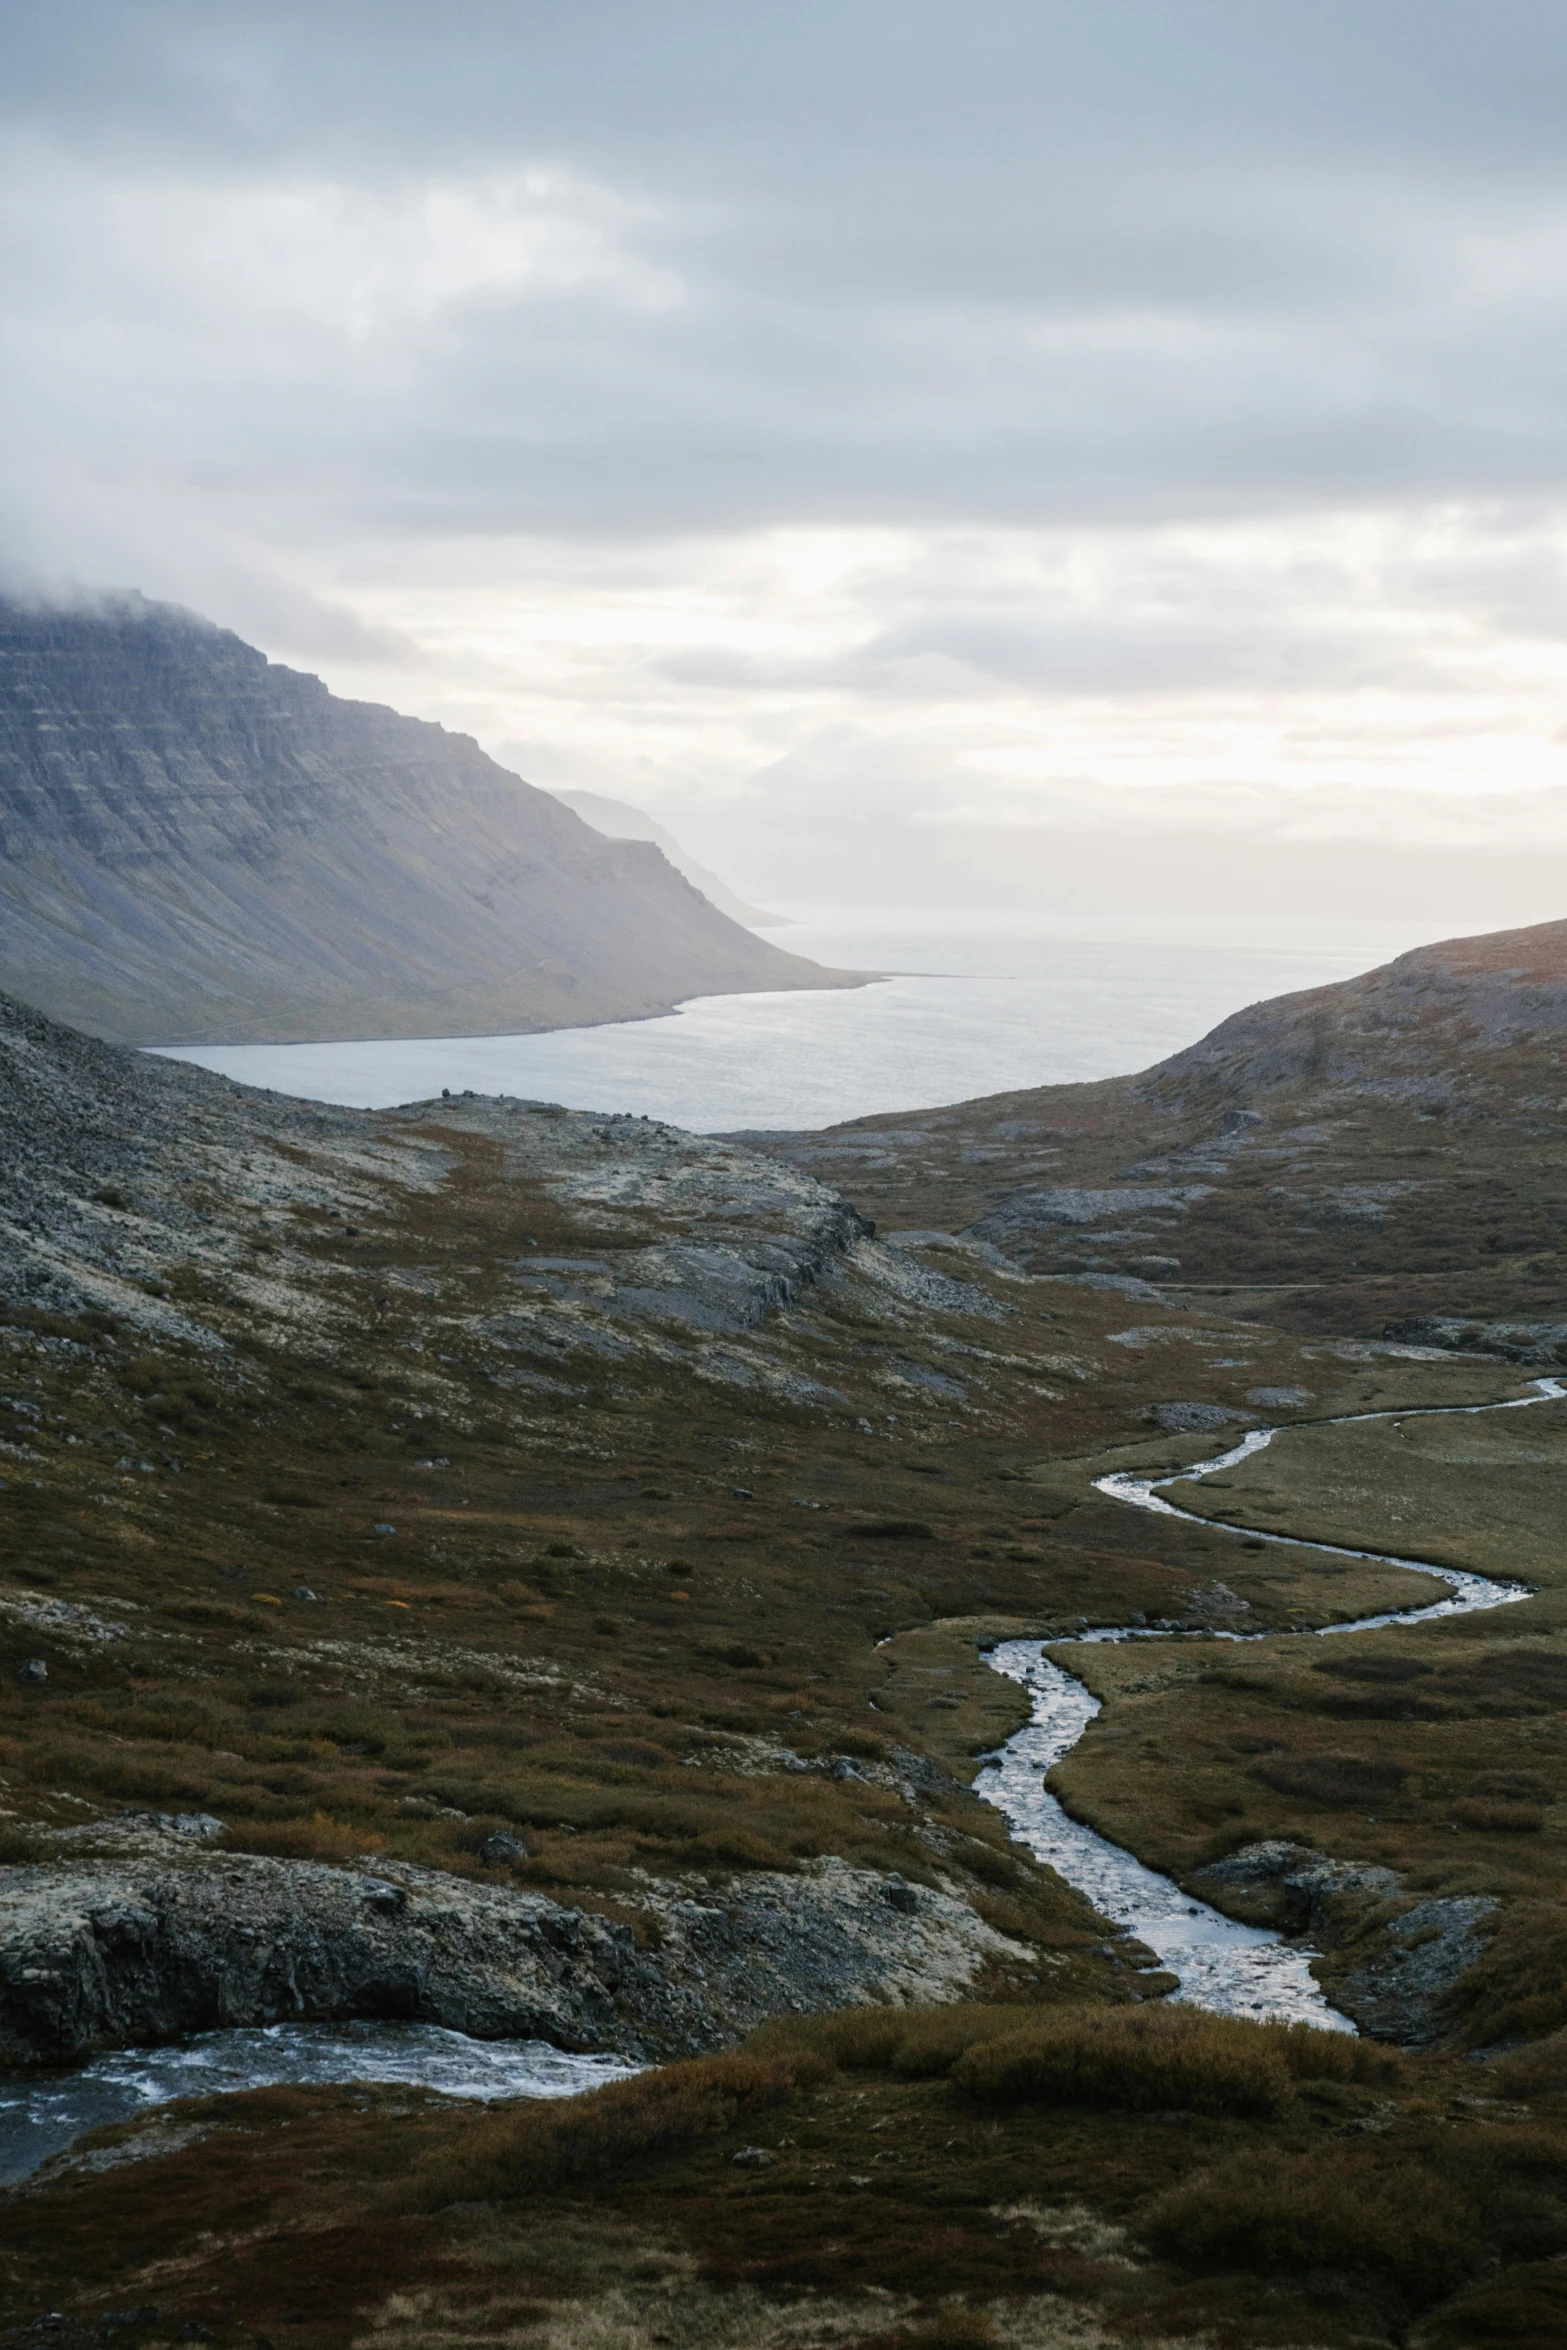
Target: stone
[33,1670]
[387,1899]
[100,1953]
[752,2158]
[1399,1987]
[303,1591]
[901,1897]
[1198,1419]
[498,1849]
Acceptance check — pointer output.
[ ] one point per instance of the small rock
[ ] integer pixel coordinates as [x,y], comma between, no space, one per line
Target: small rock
[383,1898]
[901,1897]
[34,1670]
[383,1529]
[753,2158]
[204,1825]
[741,1493]
[1197,1419]
[303,1591]
[496,1850]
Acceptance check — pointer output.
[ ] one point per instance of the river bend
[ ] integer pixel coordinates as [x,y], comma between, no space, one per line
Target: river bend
[1222,1965]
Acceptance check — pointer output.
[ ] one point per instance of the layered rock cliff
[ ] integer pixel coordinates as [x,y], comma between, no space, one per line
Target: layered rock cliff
[198,845]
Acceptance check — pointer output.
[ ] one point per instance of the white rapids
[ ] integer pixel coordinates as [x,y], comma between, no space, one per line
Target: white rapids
[1222,1965]
[41,2113]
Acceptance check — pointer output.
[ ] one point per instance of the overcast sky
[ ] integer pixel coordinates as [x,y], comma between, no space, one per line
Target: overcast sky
[967,420]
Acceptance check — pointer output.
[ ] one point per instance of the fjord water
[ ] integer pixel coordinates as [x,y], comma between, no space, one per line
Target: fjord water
[982,1003]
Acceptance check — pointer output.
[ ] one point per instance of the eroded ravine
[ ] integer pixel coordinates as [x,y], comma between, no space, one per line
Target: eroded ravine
[1223,1965]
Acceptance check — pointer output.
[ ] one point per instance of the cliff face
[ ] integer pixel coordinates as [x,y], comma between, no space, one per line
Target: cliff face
[197,845]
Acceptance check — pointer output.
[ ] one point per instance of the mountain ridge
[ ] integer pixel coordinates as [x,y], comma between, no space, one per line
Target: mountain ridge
[620,820]
[198,845]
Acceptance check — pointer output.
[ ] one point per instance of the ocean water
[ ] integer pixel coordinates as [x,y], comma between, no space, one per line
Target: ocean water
[977,1004]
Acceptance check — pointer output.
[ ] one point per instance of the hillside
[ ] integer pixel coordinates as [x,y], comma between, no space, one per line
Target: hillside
[200,846]
[535,1572]
[1385,1151]
[620,821]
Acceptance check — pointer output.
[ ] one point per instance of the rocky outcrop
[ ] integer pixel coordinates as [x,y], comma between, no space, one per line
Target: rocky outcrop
[1399,1987]
[1514,1342]
[197,845]
[1391,1969]
[1403,1129]
[123,1167]
[146,1947]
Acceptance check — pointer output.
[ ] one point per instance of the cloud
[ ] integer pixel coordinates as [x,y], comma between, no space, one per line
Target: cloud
[882,412]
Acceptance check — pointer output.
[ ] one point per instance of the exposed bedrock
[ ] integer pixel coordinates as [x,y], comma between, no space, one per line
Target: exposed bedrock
[1391,1963]
[100,1954]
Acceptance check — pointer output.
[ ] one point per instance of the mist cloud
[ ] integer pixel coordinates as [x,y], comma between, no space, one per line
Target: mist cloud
[1001,411]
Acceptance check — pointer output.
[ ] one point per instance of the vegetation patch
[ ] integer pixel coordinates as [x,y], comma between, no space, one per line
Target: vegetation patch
[1333,1778]
[532,2148]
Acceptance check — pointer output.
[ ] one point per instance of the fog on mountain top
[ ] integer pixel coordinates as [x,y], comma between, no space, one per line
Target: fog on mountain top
[945,452]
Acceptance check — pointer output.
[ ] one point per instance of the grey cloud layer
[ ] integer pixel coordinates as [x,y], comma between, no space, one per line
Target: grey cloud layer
[1004,263]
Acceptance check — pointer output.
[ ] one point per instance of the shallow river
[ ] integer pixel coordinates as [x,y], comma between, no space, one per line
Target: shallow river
[42,2112]
[1235,1969]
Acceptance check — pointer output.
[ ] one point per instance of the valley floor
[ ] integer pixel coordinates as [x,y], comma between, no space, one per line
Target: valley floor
[572,1542]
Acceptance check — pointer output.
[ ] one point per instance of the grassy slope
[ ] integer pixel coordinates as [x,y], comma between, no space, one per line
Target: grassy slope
[898,2205]
[1354,1155]
[580,1626]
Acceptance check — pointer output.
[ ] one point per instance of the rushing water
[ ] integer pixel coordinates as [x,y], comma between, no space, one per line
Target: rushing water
[40,2113]
[1234,1969]
[984,1003]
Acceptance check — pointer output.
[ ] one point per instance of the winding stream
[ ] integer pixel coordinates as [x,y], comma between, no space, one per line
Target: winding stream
[1235,1969]
[1231,1968]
